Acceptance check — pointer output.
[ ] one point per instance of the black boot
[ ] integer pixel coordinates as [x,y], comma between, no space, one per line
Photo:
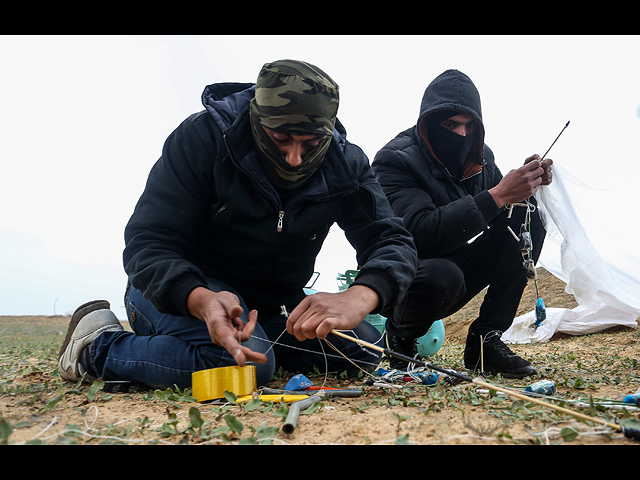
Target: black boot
[498,358]
[404,346]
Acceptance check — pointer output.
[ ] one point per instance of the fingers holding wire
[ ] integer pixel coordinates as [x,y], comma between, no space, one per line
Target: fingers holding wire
[547,176]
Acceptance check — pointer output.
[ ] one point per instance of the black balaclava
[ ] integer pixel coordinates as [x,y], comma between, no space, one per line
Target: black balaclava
[450,148]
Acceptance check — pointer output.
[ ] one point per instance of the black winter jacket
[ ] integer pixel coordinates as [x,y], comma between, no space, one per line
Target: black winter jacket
[442,212]
[209,210]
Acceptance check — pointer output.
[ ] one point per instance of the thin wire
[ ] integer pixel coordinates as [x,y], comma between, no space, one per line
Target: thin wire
[527,219]
[285,313]
[292,346]
[275,341]
[348,359]
[326,365]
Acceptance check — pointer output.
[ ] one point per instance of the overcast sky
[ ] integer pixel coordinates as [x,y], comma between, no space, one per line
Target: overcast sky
[84,119]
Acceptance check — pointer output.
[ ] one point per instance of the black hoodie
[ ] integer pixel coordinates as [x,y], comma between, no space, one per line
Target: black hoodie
[209,210]
[441,211]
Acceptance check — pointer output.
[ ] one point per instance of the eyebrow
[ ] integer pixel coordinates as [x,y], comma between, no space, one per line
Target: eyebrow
[459,123]
[315,136]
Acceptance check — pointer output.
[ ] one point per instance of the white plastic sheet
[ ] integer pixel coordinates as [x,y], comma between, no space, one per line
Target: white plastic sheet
[577,321]
[604,282]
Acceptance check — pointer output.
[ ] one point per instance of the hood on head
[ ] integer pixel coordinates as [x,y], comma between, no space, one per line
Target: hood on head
[453,90]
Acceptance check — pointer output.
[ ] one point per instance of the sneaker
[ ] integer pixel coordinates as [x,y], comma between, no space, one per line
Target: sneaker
[87,323]
[498,358]
[404,346]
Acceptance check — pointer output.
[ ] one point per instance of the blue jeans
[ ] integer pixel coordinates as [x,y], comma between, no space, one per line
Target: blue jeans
[164,350]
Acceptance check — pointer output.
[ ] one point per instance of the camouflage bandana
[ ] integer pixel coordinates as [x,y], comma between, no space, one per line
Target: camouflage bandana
[294,98]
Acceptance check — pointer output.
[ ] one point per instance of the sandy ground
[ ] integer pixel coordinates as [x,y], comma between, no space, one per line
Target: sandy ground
[598,366]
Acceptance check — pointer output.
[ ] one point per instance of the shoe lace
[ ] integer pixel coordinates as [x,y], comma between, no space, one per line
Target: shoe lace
[404,346]
[494,339]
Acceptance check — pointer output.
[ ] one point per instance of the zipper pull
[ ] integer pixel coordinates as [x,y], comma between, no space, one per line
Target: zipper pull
[280,217]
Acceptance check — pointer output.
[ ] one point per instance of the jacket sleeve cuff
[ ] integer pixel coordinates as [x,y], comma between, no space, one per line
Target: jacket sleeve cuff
[487,205]
[380,282]
[178,293]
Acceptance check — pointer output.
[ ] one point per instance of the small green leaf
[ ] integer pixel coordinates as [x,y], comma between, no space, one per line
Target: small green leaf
[195,419]
[95,387]
[266,432]
[230,396]
[312,409]
[253,405]
[282,412]
[233,423]
[50,404]
[73,430]
[5,430]
[569,434]
[400,418]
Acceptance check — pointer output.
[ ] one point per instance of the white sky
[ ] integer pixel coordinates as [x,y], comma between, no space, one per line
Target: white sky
[84,119]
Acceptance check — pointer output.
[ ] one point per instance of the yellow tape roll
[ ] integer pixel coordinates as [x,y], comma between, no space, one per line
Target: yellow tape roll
[211,384]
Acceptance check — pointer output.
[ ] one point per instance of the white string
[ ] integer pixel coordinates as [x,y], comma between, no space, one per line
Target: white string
[285,313]
[326,366]
[293,347]
[348,359]
[275,342]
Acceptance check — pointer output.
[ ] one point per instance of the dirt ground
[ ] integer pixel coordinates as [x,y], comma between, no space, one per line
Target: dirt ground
[39,408]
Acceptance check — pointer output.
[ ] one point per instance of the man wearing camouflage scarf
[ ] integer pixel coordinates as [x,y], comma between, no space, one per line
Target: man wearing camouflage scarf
[293,98]
[225,237]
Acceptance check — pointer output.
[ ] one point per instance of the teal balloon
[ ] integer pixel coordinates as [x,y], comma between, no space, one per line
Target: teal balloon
[429,344]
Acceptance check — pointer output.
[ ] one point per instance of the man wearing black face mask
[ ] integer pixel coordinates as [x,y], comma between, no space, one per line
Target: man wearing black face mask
[442,180]
[451,136]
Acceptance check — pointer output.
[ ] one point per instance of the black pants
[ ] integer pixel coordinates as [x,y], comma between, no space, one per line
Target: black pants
[443,286]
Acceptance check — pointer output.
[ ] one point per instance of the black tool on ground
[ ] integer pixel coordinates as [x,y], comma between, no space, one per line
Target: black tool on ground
[116,386]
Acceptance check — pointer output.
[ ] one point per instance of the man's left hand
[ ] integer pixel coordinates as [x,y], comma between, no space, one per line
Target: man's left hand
[318,314]
[547,176]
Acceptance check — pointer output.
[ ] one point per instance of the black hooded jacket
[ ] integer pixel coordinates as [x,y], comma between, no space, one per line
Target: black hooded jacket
[441,211]
[208,209]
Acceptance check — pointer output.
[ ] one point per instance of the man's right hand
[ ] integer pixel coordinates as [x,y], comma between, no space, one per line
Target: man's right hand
[519,184]
[221,312]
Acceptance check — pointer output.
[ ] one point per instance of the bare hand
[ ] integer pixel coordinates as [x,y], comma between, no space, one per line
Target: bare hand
[317,315]
[221,312]
[547,176]
[523,182]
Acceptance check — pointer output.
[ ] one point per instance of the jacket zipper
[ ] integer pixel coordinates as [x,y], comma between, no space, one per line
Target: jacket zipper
[280,212]
[218,212]
[280,220]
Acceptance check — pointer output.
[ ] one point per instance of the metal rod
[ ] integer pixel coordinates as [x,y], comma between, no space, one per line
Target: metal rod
[403,357]
[295,408]
[554,142]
